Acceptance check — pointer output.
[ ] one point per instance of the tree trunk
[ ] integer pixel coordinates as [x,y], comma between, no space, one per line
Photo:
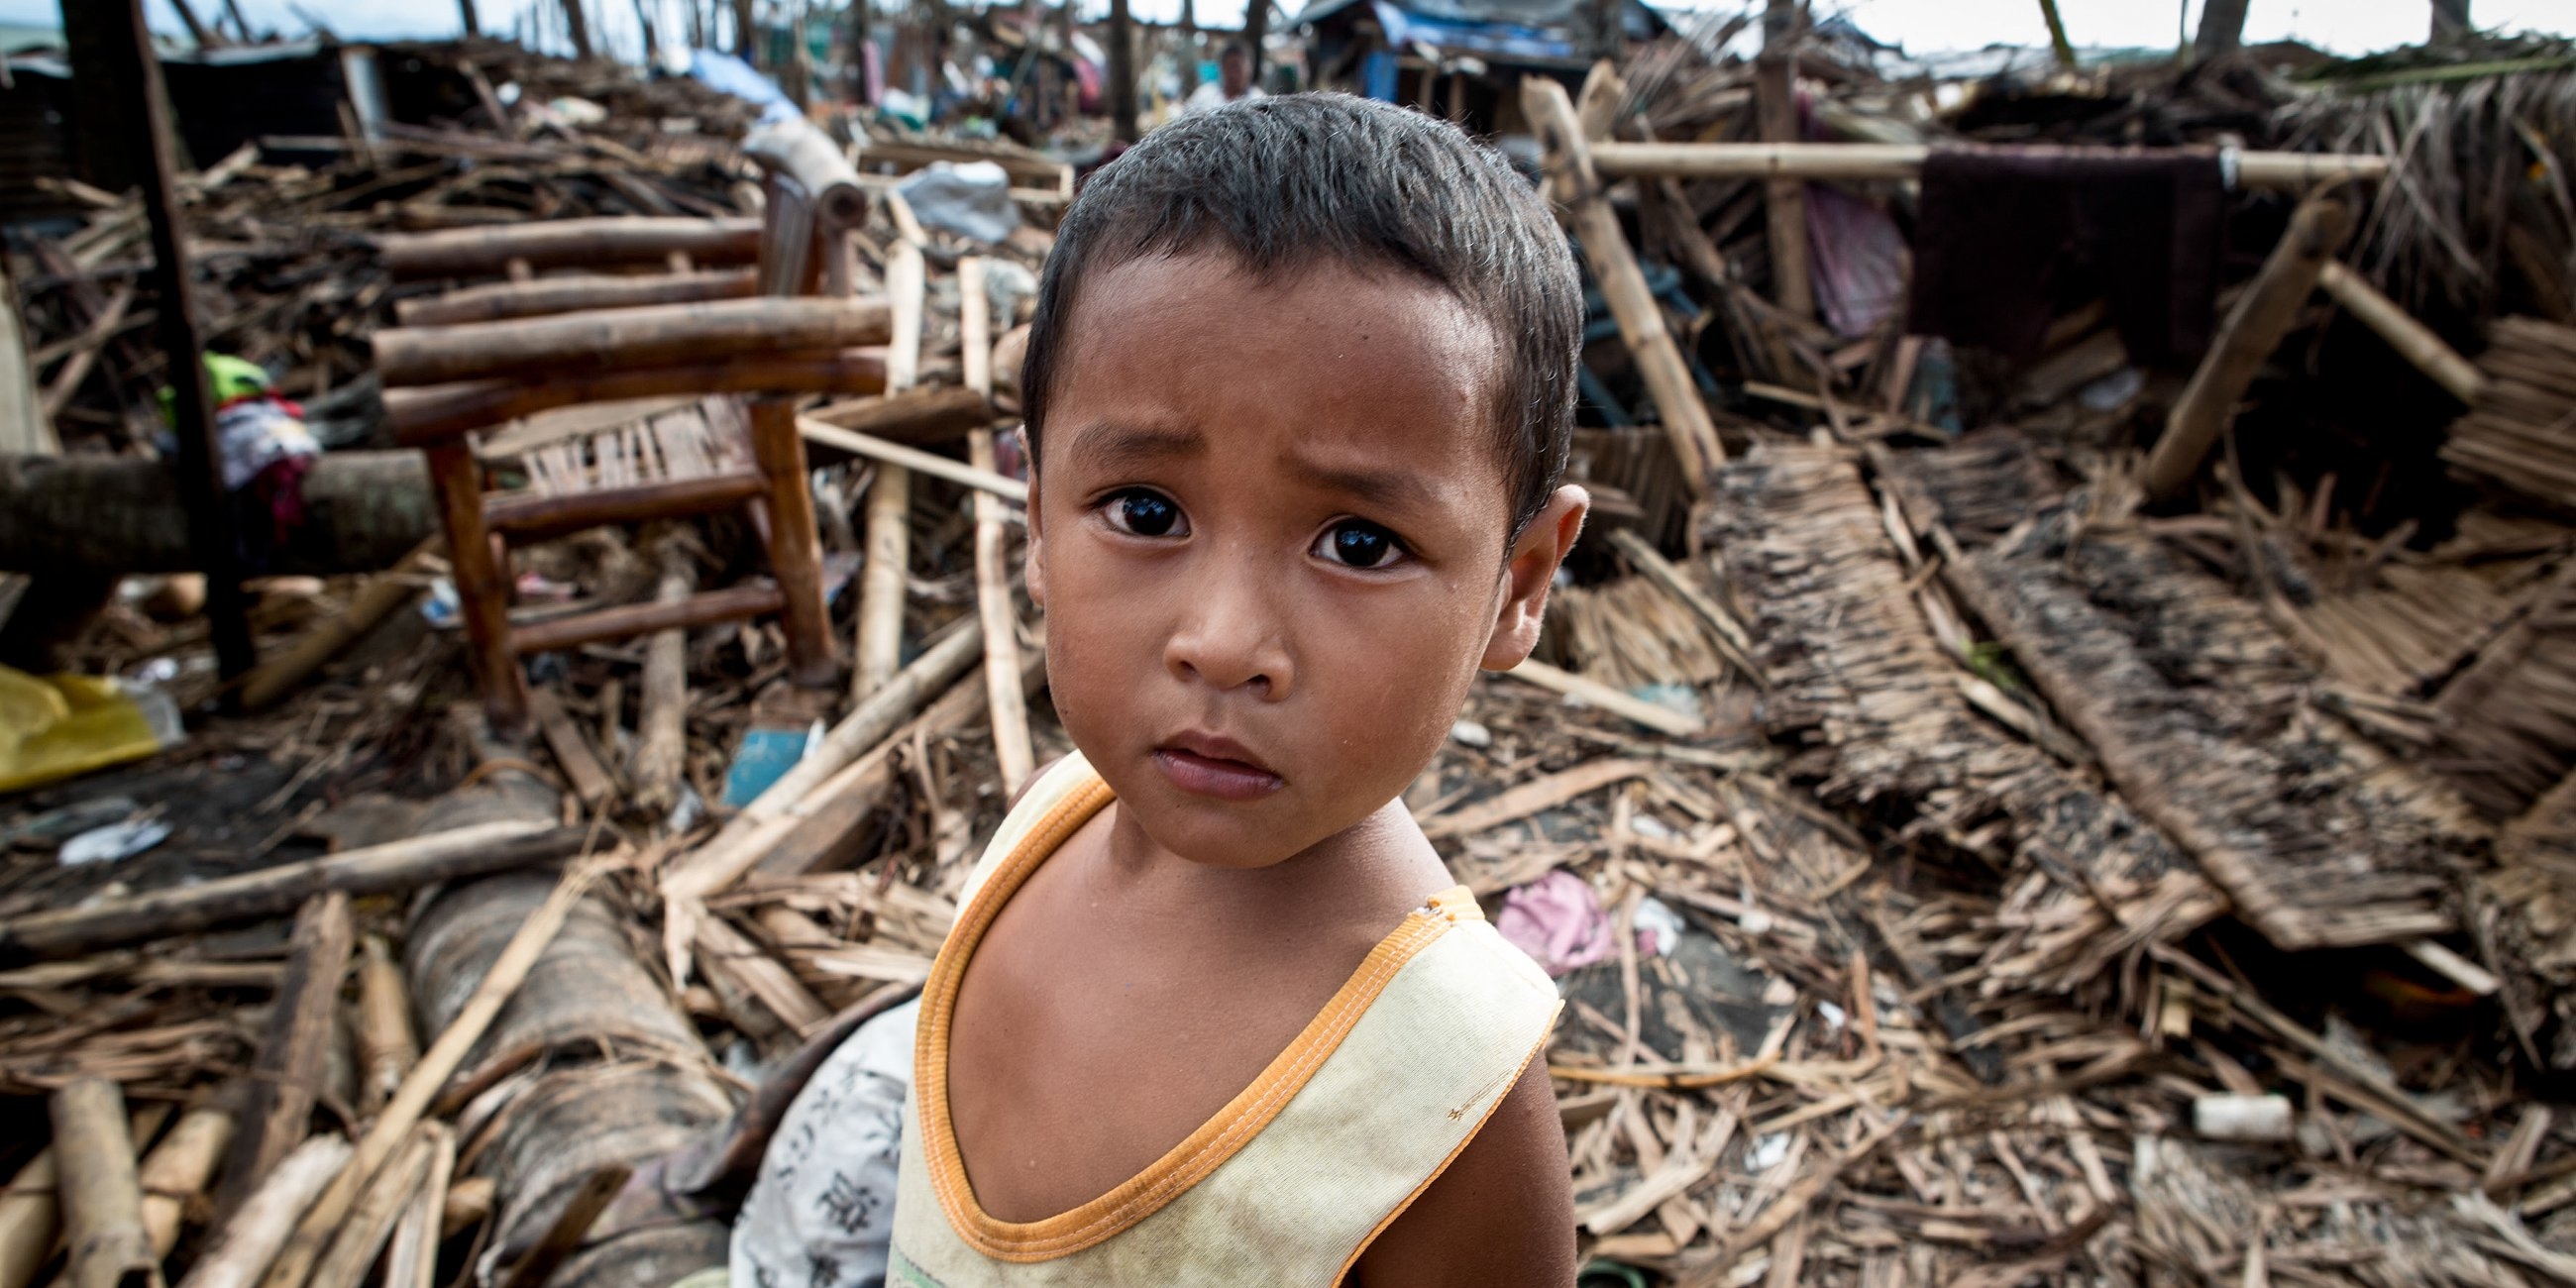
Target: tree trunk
[1256,34]
[464,9]
[581,1111]
[2222,28]
[113,515]
[1122,71]
[577,28]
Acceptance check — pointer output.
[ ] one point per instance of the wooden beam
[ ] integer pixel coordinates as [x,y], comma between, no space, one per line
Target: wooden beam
[441,412]
[1775,101]
[607,340]
[498,301]
[486,250]
[249,896]
[1623,284]
[286,1076]
[963,473]
[2264,314]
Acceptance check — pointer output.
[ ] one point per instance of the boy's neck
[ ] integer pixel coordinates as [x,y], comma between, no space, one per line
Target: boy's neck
[1384,847]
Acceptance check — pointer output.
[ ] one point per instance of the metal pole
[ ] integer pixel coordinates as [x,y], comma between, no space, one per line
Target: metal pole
[137,75]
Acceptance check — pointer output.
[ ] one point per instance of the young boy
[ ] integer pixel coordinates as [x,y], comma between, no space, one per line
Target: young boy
[1298,396]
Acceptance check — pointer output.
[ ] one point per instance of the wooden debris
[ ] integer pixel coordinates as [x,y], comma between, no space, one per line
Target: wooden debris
[287,1080]
[102,1200]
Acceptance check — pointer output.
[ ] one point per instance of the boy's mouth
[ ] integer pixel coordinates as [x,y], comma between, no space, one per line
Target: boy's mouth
[1208,765]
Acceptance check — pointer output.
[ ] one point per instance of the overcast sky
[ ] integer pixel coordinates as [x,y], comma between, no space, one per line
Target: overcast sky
[1921,26]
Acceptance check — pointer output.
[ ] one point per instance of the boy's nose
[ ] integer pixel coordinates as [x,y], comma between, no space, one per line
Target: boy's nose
[1228,640]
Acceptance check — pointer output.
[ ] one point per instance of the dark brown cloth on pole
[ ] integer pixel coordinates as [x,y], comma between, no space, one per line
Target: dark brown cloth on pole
[2010,237]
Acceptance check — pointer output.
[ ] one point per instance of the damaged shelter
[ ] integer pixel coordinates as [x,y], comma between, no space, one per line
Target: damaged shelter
[2056,760]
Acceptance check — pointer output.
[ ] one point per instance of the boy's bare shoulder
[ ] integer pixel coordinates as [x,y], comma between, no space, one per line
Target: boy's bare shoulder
[1501,1214]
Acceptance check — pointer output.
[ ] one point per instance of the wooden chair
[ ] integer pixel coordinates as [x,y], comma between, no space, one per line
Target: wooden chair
[446,385]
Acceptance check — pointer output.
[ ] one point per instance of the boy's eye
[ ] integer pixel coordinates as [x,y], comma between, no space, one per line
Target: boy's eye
[1357,543]
[1145,514]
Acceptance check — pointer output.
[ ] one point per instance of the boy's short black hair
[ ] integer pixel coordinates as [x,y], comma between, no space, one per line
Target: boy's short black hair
[1281,183]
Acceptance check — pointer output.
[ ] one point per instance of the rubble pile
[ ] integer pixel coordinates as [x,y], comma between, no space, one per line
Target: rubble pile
[1962,860]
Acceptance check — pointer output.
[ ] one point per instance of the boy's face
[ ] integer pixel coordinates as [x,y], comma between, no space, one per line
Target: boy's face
[1270,539]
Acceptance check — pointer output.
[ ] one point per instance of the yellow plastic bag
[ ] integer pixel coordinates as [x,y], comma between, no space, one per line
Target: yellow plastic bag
[58,726]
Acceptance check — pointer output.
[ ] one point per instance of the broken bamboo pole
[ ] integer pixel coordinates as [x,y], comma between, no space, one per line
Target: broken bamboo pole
[913,417]
[286,1078]
[102,1196]
[487,250]
[175,1174]
[662,712]
[30,1217]
[980,477]
[412,1262]
[1865,162]
[2413,341]
[387,1046]
[1623,284]
[380,869]
[995,602]
[502,300]
[1593,693]
[882,581]
[294,1263]
[371,1219]
[244,1246]
[610,340]
[2264,314]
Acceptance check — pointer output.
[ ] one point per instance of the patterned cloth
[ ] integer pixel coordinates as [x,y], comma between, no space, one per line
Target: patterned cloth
[822,1210]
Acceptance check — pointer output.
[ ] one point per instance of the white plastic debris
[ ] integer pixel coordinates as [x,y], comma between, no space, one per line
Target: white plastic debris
[2265,1118]
[114,841]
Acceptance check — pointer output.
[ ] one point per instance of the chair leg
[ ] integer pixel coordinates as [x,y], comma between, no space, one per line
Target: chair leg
[482,585]
[795,548]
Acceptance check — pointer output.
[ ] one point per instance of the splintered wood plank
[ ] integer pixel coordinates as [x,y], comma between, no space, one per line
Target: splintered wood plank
[2196,707]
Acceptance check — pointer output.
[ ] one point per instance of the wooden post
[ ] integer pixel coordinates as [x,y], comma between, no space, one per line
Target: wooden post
[1256,36]
[102,1197]
[746,42]
[1189,48]
[994,601]
[473,21]
[795,551]
[2263,314]
[482,579]
[286,1078]
[577,28]
[1784,200]
[1623,284]
[1122,71]
[136,82]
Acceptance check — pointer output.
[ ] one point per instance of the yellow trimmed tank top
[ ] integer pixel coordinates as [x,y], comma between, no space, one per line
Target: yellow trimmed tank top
[1291,1180]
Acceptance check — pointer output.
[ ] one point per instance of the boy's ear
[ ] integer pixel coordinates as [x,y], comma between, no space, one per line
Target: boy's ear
[1529,571]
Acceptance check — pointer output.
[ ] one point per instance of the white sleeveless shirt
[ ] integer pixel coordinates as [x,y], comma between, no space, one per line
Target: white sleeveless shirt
[1290,1181]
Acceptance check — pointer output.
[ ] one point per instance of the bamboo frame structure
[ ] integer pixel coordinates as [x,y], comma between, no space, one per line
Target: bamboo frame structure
[563,243]
[611,340]
[1864,162]
[1623,284]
